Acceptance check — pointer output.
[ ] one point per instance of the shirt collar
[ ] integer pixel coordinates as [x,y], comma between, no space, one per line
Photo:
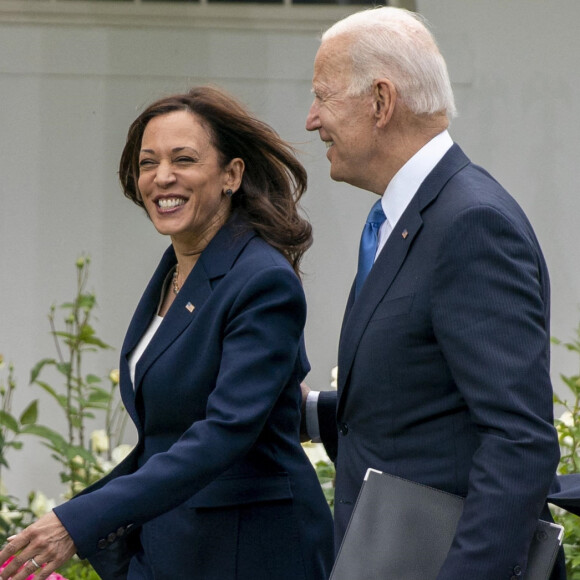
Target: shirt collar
[409,178]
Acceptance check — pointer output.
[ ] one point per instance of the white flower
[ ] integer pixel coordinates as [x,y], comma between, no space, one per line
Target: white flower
[114,376]
[334,378]
[567,418]
[41,505]
[120,452]
[9,515]
[567,441]
[105,465]
[315,452]
[99,441]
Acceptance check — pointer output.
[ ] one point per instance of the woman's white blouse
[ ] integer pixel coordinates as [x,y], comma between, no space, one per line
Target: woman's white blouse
[142,345]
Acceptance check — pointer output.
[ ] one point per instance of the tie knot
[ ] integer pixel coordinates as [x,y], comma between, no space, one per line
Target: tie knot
[376,215]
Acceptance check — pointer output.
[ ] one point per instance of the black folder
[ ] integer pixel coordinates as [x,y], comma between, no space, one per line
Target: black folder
[402,530]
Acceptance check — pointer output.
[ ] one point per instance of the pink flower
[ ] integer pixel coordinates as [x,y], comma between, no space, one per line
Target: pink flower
[53,576]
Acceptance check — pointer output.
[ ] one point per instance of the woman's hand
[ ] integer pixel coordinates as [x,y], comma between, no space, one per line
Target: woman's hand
[41,548]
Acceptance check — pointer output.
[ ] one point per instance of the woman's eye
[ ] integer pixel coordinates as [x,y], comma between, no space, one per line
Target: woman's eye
[185,159]
[145,162]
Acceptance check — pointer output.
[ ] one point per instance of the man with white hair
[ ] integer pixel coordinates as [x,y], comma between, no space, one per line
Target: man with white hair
[443,365]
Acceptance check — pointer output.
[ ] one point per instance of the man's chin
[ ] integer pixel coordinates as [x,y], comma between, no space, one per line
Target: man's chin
[336,175]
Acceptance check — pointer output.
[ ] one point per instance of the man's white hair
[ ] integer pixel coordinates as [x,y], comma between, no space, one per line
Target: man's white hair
[396,44]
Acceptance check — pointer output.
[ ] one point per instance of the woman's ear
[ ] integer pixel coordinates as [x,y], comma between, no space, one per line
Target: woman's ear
[235,172]
[384,99]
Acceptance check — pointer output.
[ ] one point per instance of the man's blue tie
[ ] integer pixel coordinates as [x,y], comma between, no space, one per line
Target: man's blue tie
[368,244]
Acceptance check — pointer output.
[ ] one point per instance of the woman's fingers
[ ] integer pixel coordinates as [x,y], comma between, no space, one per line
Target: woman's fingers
[40,549]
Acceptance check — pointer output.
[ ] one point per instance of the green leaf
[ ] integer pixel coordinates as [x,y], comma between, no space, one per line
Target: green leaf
[75,422]
[56,439]
[38,367]
[92,379]
[30,414]
[573,346]
[47,388]
[76,450]
[99,406]
[64,368]
[99,396]
[8,421]
[60,399]
[86,301]
[97,342]
[66,335]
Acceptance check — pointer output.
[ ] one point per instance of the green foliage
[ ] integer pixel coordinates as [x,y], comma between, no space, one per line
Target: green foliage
[326,474]
[12,517]
[82,394]
[12,426]
[76,569]
[568,428]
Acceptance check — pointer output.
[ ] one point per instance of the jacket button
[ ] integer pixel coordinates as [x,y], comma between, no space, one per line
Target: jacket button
[518,570]
[343,428]
[121,532]
[111,537]
[102,544]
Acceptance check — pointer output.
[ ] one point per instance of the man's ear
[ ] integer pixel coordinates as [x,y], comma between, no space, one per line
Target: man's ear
[384,99]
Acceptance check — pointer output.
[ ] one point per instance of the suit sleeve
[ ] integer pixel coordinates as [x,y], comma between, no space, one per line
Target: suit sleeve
[327,422]
[490,317]
[260,347]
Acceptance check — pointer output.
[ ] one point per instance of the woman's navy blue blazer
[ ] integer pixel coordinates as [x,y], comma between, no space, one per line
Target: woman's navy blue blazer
[218,485]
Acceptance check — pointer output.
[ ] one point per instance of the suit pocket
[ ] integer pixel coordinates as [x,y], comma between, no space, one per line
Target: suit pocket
[241,490]
[389,308]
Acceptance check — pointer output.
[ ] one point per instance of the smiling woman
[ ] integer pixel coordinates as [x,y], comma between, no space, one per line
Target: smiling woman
[218,485]
[184,187]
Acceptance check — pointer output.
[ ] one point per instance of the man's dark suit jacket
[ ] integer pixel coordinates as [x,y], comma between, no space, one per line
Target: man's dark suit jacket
[218,485]
[443,369]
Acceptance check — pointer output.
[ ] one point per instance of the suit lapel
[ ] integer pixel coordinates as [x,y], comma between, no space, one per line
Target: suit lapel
[388,264]
[141,319]
[215,261]
[379,280]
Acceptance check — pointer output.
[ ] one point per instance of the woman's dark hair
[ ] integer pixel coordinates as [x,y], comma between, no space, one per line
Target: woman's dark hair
[273,180]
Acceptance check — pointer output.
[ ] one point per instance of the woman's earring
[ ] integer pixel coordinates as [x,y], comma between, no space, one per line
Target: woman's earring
[229,192]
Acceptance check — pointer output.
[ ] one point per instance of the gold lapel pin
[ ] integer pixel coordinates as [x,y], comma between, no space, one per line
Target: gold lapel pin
[190,307]
[405,234]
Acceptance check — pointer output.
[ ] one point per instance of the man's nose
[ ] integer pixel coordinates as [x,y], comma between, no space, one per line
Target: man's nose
[312,121]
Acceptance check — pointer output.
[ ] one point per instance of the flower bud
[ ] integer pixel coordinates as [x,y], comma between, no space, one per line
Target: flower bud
[99,441]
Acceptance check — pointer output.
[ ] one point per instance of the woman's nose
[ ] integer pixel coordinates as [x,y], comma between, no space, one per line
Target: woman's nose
[164,174]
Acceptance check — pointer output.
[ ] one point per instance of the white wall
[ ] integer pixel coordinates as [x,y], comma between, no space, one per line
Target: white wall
[69,92]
